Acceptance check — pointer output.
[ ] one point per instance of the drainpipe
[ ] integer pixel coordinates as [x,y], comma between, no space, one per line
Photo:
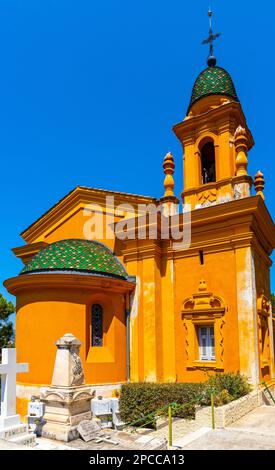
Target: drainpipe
[128,303]
[127,315]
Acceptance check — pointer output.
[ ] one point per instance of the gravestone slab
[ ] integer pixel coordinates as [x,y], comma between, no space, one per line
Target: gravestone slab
[89,430]
[117,422]
[101,406]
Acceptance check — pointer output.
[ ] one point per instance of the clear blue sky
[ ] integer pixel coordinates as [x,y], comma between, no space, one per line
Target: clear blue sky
[89,91]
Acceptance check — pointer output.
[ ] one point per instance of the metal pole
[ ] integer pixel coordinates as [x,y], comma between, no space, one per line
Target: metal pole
[127,314]
[213,410]
[269,392]
[170,437]
[127,318]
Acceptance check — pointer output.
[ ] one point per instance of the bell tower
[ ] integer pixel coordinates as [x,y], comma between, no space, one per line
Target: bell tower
[215,139]
[232,232]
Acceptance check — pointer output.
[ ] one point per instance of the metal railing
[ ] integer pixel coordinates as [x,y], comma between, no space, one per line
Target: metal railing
[168,410]
[268,391]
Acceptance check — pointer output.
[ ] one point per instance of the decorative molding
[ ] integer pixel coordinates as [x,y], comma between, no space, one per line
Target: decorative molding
[185,324]
[237,192]
[201,309]
[203,301]
[208,197]
[221,339]
[263,310]
[68,281]
[263,305]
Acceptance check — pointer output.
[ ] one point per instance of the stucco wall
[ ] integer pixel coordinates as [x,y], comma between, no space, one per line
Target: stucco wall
[43,316]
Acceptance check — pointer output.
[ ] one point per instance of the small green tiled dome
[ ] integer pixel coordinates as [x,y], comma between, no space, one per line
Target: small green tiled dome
[213,81]
[87,256]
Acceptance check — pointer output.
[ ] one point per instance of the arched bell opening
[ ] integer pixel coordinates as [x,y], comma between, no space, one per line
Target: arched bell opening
[208,162]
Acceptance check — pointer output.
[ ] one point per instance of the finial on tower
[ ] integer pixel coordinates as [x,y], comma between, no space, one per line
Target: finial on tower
[169,167]
[241,145]
[259,183]
[211,61]
[169,200]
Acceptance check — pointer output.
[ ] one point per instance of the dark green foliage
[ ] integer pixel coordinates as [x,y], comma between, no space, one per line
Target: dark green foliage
[6,327]
[226,387]
[140,399]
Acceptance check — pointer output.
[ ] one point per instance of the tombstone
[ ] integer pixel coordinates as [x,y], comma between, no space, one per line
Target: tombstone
[36,410]
[67,400]
[117,422]
[101,408]
[8,370]
[91,431]
[10,427]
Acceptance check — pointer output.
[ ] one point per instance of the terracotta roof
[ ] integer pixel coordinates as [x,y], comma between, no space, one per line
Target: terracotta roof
[89,189]
[76,255]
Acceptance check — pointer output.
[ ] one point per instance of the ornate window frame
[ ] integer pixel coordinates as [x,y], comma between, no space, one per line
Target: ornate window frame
[203,309]
[263,311]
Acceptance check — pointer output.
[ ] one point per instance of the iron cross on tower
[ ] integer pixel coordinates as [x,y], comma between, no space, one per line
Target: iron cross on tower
[211,38]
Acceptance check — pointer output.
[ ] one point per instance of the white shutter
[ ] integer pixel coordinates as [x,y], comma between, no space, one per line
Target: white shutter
[212,343]
[207,343]
[203,343]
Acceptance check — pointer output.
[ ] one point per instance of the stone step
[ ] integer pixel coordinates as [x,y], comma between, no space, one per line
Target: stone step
[15,430]
[28,439]
[192,436]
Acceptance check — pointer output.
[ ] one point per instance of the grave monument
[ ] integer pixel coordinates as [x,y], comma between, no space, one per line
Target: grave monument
[67,400]
[11,428]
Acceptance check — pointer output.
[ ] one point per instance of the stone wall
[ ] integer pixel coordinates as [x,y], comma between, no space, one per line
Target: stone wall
[227,414]
[224,415]
[181,427]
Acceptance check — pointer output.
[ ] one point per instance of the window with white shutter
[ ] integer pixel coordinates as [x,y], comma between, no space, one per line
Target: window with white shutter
[206,343]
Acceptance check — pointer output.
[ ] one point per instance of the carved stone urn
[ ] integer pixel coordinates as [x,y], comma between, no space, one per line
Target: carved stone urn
[68,399]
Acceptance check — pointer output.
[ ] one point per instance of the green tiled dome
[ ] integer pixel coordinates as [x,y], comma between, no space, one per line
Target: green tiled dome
[87,256]
[213,81]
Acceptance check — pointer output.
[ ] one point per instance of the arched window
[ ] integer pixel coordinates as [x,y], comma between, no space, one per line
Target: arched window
[208,169]
[97,325]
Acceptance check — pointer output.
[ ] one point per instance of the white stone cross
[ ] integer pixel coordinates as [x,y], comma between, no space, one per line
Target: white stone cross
[8,370]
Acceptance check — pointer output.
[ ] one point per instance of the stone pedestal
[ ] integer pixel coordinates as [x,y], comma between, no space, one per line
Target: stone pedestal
[67,400]
[7,421]
[64,410]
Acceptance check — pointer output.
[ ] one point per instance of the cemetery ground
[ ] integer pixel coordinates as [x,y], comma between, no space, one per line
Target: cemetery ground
[255,431]
[67,410]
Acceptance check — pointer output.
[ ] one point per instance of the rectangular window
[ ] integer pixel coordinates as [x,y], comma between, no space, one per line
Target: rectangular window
[97,325]
[206,343]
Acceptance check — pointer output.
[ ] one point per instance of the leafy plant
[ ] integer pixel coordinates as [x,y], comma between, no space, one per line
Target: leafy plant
[138,400]
[6,327]
[225,387]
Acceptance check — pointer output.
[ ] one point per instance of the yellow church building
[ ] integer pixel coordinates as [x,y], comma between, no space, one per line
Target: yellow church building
[145,307]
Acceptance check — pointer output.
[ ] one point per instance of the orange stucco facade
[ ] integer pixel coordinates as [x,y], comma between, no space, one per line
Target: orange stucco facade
[219,281]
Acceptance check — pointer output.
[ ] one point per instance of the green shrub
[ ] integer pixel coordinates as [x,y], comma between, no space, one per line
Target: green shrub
[140,399]
[225,387]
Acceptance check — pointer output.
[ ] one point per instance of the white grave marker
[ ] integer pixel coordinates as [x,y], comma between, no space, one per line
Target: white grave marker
[8,370]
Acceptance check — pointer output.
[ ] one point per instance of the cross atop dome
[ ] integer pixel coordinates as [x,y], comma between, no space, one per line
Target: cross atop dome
[211,61]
